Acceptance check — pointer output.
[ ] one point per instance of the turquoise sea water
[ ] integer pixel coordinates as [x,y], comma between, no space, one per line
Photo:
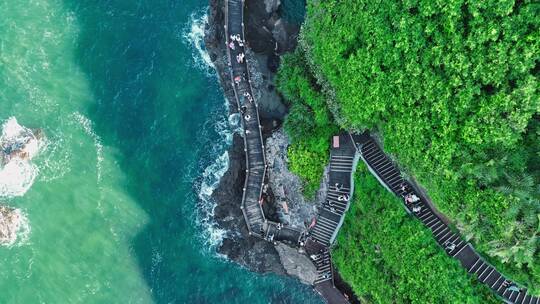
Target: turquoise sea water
[136,128]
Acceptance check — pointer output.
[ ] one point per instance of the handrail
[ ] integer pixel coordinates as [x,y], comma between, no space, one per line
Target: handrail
[250,89]
[256,105]
[238,105]
[462,251]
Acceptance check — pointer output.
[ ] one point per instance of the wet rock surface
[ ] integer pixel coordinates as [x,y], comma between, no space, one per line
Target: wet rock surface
[238,245]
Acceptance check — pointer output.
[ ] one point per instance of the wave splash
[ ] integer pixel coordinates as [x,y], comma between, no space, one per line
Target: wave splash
[220,125]
[193,35]
[18,146]
[225,127]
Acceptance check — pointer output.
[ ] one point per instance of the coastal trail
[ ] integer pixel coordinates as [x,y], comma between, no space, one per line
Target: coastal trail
[346,150]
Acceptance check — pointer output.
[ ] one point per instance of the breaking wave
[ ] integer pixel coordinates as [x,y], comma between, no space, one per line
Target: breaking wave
[19,145]
[217,133]
[193,35]
[225,127]
[210,181]
[16,177]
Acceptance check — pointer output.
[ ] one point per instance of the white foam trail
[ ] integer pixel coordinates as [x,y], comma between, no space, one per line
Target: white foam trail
[210,180]
[193,35]
[54,163]
[88,128]
[14,227]
[17,173]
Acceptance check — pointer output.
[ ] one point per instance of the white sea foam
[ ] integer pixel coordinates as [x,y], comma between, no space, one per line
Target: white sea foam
[210,180]
[16,177]
[193,35]
[225,127]
[14,227]
[54,156]
[17,173]
[13,132]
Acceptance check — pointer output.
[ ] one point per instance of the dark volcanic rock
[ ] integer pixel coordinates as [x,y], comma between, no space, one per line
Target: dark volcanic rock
[255,254]
[268,36]
[272,63]
[250,252]
[214,40]
[259,27]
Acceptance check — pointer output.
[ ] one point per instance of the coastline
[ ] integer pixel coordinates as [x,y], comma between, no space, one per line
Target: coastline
[254,254]
[268,36]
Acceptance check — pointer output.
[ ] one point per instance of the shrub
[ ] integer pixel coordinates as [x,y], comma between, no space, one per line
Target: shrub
[308,124]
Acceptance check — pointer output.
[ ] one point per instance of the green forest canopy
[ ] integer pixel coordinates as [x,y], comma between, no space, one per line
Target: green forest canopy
[388,257]
[452,88]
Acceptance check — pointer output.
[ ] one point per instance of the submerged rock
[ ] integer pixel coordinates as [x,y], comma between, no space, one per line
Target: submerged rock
[17,141]
[13,225]
[18,145]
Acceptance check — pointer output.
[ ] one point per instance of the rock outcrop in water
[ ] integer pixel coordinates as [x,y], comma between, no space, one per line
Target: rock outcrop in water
[18,142]
[12,223]
[255,254]
[18,145]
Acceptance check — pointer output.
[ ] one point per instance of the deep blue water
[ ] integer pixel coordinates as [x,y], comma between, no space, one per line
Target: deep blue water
[161,107]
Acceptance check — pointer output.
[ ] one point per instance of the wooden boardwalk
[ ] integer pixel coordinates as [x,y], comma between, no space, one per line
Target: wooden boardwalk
[248,108]
[416,204]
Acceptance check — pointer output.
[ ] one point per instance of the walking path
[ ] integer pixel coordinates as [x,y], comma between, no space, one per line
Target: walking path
[342,165]
[345,152]
[253,142]
[416,204]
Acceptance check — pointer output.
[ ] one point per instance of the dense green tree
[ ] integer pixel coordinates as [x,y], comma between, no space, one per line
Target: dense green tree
[452,88]
[390,257]
[308,124]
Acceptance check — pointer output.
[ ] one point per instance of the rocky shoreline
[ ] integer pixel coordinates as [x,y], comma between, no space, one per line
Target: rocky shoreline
[255,254]
[268,36]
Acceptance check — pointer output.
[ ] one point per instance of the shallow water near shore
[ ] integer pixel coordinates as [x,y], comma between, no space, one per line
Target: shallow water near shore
[137,129]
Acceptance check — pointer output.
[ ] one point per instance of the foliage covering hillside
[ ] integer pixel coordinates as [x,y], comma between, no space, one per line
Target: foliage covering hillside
[309,124]
[389,257]
[452,87]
